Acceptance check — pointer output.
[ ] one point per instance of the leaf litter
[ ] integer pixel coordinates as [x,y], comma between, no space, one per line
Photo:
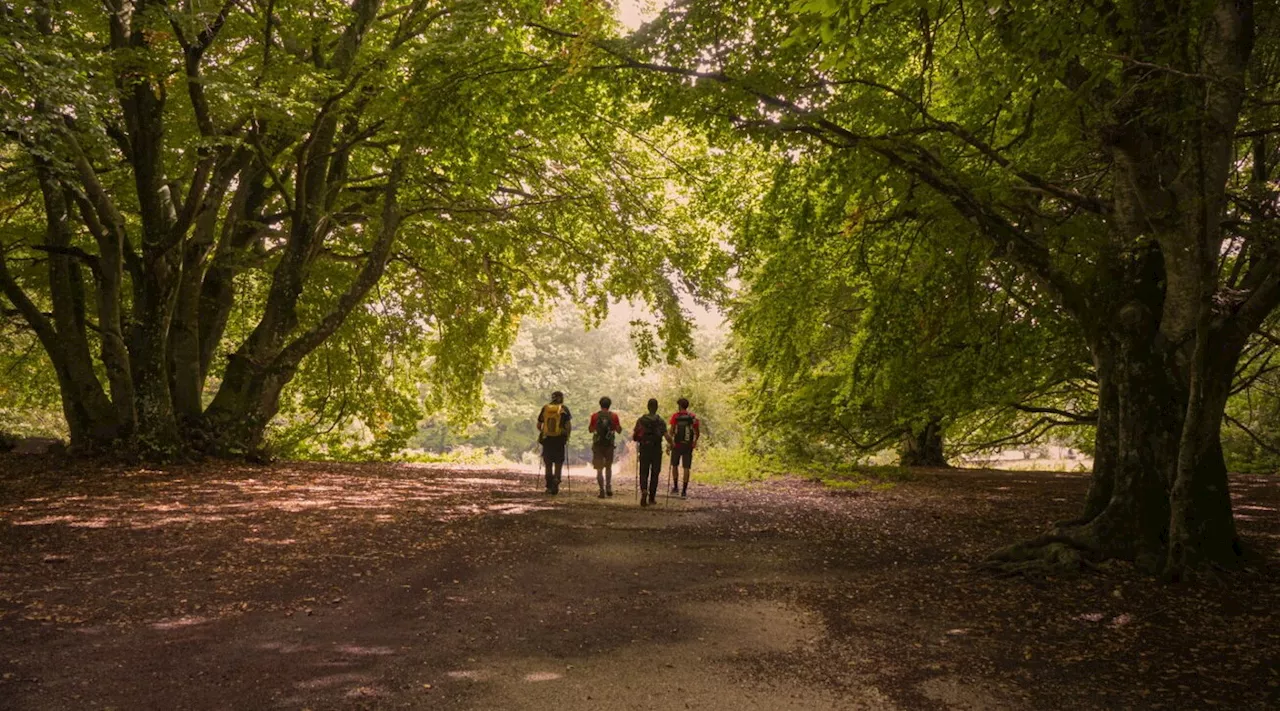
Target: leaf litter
[426,565]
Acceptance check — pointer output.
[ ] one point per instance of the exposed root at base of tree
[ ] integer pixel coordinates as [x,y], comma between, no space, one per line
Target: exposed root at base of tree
[1054,553]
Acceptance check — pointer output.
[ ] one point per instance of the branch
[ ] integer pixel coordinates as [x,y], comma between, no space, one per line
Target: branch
[89,259]
[30,312]
[1084,418]
[1252,435]
[369,274]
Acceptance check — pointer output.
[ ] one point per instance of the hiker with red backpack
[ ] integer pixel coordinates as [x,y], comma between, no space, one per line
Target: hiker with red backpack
[553,434]
[603,425]
[683,433]
[648,434]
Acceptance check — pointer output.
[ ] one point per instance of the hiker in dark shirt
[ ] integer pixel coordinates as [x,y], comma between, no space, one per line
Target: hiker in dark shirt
[603,425]
[553,434]
[648,435]
[683,434]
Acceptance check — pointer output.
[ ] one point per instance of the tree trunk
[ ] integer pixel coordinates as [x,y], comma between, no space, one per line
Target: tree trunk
[257,373]
[1137,508]
[1202,525]
[923,447]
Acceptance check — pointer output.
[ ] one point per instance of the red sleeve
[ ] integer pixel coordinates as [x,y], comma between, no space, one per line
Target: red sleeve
[591,426]
[697,425]
[617,424]
[672,422]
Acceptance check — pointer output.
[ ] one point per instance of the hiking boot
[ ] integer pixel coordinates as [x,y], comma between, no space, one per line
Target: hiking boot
[600,495]
[675,490]
[653,499]
[644,501]
[608,491]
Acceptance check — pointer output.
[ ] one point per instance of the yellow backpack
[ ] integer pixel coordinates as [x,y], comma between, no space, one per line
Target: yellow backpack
[552,426]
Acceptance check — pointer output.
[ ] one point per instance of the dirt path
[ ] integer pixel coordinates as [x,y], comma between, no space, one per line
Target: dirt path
[329,586]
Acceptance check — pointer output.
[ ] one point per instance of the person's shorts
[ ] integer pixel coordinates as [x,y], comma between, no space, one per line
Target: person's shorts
[682,457]
[553,449]
[601,455]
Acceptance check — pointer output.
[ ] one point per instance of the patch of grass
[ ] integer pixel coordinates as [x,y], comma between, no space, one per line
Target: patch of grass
[724,465]
[733,465]
[857,477]
[458,455]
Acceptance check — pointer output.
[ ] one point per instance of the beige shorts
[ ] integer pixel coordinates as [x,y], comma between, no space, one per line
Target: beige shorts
[601,455]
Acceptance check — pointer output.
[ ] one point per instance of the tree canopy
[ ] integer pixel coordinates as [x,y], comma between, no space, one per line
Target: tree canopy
[1118,156]
[205,203]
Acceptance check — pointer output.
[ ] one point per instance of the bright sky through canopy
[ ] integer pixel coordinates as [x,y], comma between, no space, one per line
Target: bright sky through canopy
[633,13]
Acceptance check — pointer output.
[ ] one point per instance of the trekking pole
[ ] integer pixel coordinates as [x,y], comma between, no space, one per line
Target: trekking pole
[671,480]
[666,490]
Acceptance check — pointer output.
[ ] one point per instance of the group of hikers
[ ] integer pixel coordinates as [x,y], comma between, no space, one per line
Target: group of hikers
[680,433]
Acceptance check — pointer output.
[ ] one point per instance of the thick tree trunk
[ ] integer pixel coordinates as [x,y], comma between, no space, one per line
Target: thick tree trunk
[1136,508]
[90,415]
[157,428]
[1147,405]
[257,373]
[1202,526]
[923,447]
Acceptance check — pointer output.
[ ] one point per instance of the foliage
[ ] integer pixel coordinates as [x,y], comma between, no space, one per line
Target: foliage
[1118,159]
[291,214]
[866,321]
[28,393]
[1251,435]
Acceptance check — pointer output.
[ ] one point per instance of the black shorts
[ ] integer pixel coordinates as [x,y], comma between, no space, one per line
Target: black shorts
[553,449]
[682,457]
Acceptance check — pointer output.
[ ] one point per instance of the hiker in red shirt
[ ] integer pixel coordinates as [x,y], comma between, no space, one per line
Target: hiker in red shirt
[683,432]
[603,426]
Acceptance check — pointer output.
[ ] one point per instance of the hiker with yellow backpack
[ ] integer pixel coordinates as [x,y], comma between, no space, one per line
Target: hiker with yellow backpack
[554,424]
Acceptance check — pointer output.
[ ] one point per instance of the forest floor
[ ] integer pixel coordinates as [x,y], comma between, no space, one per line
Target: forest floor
[318,586]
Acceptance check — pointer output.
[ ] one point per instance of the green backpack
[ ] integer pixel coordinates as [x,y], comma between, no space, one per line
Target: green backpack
[604,428]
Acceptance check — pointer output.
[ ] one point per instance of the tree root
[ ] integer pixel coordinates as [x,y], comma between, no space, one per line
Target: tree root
[1054,553]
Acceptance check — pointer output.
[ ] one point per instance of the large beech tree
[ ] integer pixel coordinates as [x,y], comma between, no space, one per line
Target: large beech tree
[1121,154]
[200,194]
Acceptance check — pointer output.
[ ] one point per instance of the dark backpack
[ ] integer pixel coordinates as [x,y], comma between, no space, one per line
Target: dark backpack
[683,435]
[651,430]
[604,428]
